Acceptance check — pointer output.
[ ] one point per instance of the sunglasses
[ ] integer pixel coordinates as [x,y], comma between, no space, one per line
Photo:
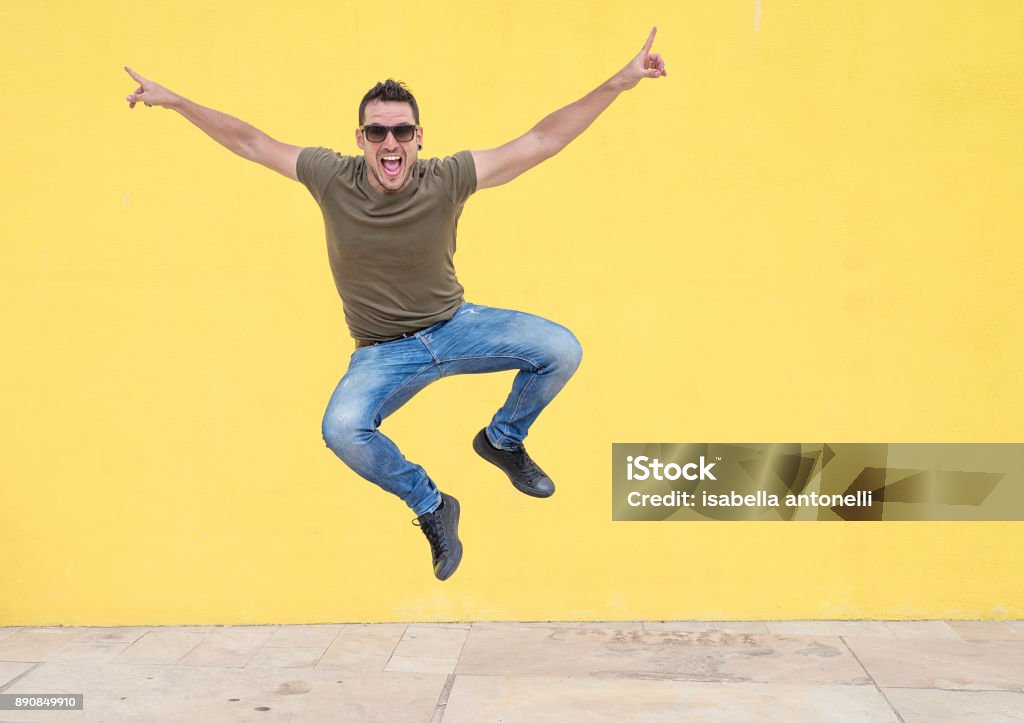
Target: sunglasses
[377,133]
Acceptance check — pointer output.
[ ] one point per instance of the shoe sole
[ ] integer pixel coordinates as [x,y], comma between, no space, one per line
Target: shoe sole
[480,449]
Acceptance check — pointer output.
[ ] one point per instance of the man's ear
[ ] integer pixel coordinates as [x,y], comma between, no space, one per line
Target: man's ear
[359,140]
[419,138]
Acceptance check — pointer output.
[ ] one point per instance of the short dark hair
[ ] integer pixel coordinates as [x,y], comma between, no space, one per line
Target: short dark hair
[389,90]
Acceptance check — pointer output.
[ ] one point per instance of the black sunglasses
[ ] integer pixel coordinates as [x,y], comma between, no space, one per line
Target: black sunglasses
[403,133]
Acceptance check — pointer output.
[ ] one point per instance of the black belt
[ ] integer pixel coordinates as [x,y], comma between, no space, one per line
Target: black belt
[360,343]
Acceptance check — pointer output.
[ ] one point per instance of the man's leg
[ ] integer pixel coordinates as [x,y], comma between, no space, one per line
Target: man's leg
[379,380]
[481,339]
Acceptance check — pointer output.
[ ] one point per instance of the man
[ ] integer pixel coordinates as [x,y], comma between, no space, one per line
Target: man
[391,221]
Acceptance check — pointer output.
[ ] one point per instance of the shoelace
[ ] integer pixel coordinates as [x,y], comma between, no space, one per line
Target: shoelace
[527,465]
[434,531]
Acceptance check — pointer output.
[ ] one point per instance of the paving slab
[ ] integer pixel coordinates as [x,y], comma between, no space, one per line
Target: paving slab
[10,670]
[985,630]
[275,657]
[227,648]
[922,629]
[817,628]
[682,626]
[8,631]
[33,645]
[363,648]
[956,706]
[420,664]
[479,699]
[737,627]
[949,664]
[859,628]
[180,693]
[424,642]
[85,653]
[666,655]
[304,636]
[110,635]
[159,647]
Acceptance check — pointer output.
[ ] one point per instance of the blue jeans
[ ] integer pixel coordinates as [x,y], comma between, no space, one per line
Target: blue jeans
[383,377]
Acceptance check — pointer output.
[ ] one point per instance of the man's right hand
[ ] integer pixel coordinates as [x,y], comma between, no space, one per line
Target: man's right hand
[149,92]
[235,135]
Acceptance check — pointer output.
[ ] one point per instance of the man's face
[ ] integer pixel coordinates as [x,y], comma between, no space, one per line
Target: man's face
[389,164]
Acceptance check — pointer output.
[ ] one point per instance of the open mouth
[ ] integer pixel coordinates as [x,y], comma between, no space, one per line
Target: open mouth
[392,165]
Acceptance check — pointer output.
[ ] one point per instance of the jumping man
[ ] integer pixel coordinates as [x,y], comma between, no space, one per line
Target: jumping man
[391,221]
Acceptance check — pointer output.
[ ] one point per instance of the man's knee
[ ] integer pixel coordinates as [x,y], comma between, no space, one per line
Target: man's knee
[345,432]
[566,351]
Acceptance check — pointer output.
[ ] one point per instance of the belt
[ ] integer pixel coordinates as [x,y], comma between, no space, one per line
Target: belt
[360,343]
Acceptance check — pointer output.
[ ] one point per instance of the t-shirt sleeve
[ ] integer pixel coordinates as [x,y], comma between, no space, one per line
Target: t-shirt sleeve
[316,167]
[459,176]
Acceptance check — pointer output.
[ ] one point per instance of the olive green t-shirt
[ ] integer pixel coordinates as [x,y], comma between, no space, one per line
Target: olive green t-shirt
[391,254]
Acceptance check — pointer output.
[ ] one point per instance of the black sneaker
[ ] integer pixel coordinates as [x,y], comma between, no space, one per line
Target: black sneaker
[526,476]
[442,530]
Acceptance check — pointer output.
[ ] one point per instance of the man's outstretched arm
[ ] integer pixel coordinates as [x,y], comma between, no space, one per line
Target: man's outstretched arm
[500,165]
[233,134]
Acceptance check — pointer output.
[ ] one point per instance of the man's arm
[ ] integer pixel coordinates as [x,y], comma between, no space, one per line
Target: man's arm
[233,134]
[500,165]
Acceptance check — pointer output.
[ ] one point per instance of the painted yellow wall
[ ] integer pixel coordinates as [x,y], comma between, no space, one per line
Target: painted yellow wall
[810,231]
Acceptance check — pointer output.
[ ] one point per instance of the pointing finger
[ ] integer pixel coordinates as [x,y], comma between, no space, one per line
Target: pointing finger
[650,40]
[135,76]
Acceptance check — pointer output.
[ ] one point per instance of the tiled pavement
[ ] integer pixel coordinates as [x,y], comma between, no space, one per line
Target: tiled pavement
[626,671]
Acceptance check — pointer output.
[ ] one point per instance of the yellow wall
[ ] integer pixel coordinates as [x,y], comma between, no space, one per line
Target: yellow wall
[810,231]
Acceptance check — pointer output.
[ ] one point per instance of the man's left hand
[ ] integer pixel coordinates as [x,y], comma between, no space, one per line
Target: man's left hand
[645,65]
